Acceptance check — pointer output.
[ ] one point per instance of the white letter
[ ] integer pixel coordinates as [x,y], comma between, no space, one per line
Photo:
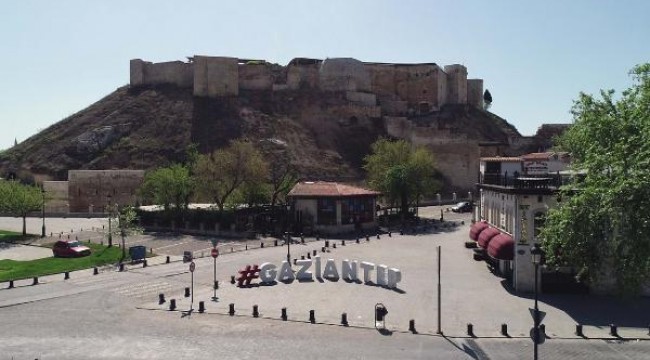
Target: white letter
[381,275]
[367,268]
[302,273]
[349,270]
[286,274]
[330,271]
[394,276]
[317,266]
[267,273]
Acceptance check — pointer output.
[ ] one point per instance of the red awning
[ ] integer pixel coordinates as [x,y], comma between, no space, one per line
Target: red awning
[502,247]
[476,229]
[486,236]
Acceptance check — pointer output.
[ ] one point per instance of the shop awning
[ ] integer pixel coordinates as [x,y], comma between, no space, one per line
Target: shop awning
[486,236]
[501,247]
[476,229]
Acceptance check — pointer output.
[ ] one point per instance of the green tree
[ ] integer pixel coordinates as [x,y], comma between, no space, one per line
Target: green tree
[219,174]
[403,173]
[170,187]
[126,221]
[19,200]
[602,226]
[487,99]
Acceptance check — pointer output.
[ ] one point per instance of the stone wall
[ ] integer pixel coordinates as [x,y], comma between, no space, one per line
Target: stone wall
[300,76]
[475,92]
[57,196]
[91,190]
[172,72]
[367,99]
[456,84]
[344,74]
[216,76]
[255,77]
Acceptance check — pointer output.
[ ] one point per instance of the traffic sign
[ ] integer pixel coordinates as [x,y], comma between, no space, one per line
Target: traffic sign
[214,253]
[192,266]
[541,314]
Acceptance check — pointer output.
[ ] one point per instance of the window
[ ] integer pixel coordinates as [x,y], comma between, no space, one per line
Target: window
[326,211]
[356,210]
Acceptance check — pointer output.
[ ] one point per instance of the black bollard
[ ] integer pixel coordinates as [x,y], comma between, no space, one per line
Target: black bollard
[172,304]
[334,246]
[295,261]
[232,279]
[66,275]
[579,330]
[121,266]
[256,312]
[378,236]
[367,238]
[327,243]
[11,284]
[144,263]
[342,242]
[187,292]
[344,319]
[275,243]
[95,271]
[401,231]
[261,244]
[390,234]
[613,330]
[284,314]
[470,330]
[161,299]
[167,261]
[231,309]
[322,249]
[246,246]
[357,239]
[312,316]
[314,253]
[504,330]
[412,326]
[308,255]
[35,280]
[201,307]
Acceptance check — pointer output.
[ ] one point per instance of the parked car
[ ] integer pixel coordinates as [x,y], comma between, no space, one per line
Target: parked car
[70,248]
[462,207]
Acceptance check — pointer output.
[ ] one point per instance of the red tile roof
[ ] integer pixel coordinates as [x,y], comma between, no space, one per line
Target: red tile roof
[328,189]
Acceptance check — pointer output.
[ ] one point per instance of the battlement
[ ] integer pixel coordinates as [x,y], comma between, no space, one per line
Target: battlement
[397,88]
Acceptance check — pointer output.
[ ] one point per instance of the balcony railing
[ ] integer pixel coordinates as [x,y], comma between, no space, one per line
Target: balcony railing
[522,181]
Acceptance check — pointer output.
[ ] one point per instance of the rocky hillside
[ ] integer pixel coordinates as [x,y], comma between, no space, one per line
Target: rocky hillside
[148,127]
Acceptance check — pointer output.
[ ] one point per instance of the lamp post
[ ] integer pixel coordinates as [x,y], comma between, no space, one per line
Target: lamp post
[537,255]
[43,211]
[110,229]
[288,234]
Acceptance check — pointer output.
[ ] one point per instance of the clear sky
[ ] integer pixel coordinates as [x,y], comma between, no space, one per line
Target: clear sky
[57,57]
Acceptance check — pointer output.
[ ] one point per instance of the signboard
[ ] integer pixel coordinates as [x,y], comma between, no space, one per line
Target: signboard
[214,253]
[192,266]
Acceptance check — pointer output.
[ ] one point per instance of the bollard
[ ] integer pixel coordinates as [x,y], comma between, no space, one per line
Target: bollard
[367,237]
[172,304]
[187,292]
[334,246]
[401,231]
[312,316]
[322,249]
[121,266]
[302,238]
[314,253]
[390,234]
[327,243]
[504,330]
[284,314]
[357,239]
[66,275]
[342,242]
[613,330]
[232,279]
[201,307]
[344,319]
[161,299]
[167,260]
[295,261]
[378,236]
[261,244]
[470,330]
[35,280]
[95,271]
[144,263]
[412,326]
[256,312]
[11,284]
[579,330]
[275,243]
[308,255]
[246,246]
[231,249]
[231,309]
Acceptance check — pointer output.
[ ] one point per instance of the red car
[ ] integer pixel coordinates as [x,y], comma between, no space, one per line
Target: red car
[70,248]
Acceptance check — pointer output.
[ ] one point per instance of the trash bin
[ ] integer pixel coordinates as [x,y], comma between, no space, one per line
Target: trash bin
[138,253]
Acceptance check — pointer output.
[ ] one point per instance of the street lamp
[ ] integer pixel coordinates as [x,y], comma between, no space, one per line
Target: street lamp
[43,211]
[110,229]
[286,221]
[537,255]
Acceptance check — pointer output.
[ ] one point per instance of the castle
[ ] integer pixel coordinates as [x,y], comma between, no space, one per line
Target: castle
[376,88]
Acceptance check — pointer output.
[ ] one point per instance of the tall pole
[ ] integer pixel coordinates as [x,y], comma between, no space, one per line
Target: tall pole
[192,293]
[43,213]
[110,229]
[536,329]
[288,236]
[214,284]
[439,295]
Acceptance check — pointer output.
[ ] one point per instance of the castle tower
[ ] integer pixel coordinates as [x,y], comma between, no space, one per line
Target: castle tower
[216,76]
[456,84]
[475,92]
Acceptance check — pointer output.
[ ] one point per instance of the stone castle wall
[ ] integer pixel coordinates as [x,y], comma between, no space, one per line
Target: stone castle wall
[91,190]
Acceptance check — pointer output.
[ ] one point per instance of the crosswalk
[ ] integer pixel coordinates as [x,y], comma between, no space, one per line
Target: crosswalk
[148,290]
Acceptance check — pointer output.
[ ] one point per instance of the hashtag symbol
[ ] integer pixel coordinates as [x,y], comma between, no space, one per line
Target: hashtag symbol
[247,274]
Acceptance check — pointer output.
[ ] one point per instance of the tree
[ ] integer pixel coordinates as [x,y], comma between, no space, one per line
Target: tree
[487,99]
[219,174]
[282,174]
[602,226]
[126,218]
[19,200]
[403,173]
[169,186]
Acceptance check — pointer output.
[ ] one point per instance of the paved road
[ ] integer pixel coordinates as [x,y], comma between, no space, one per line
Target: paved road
[116,315]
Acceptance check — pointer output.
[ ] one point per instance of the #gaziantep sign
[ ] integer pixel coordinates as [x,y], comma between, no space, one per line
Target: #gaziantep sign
[349,270]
